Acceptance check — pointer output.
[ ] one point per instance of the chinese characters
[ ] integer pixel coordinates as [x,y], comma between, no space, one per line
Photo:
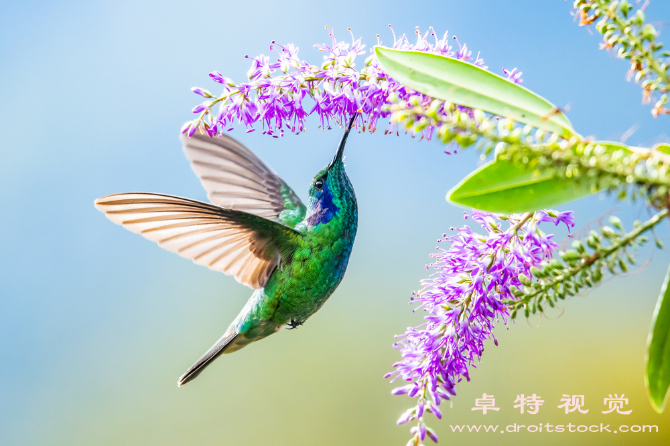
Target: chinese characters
[533,403]
[571,403]
[486,402]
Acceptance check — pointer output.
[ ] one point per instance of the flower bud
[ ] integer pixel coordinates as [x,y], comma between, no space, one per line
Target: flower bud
[579,246]
[194,127]
[202,107]
[537,272]
[524,279]
[569,255]
[597,275]
[623,266]
[407,416]
[402,390]
[201,92]
[217,77]
[431,434]
[420,407]
[607,232]
[186,126]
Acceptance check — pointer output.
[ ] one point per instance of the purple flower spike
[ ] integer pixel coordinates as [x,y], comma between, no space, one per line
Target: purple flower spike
[475,273]
[283,90]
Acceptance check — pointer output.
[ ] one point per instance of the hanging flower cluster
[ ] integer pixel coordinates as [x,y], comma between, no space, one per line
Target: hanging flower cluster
[463,299]
[282,92]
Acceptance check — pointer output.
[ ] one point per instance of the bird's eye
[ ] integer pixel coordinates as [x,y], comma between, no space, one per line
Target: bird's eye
[318,183]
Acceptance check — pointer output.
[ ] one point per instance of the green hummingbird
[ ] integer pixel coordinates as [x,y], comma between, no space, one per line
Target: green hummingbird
[255,229]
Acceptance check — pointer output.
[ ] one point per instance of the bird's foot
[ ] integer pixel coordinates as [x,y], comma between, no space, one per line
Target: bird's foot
[293,324]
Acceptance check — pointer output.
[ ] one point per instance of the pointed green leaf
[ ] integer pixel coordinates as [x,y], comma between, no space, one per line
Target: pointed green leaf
[657,378]
[464,84]
[505,187]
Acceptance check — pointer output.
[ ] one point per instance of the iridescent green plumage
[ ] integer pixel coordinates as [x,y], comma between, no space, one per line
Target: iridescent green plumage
[256,229]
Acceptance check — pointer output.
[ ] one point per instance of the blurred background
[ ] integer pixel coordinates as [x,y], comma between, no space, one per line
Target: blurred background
[97,324]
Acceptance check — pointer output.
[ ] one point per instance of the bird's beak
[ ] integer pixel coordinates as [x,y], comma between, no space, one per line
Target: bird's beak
[343,142]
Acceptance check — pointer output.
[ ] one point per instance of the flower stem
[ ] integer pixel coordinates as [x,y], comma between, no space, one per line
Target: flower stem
[645,53]
[574,158]
[590,260]
[523,221]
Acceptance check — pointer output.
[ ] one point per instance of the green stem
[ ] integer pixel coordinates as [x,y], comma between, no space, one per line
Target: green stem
[588,261]
[525,218]
[645,53]
[559,153]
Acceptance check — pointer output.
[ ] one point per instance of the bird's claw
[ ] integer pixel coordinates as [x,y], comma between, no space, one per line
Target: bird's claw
[293,324]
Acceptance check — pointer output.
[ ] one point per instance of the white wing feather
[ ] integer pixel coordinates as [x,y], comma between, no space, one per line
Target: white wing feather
[207,234]
[235,178]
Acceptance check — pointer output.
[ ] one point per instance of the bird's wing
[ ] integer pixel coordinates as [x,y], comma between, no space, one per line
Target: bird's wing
[237,243]
[235,178]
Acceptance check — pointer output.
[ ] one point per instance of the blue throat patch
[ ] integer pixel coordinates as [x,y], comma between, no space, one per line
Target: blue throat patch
[324,209]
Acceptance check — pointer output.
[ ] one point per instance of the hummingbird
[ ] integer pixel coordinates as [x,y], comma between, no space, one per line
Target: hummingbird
[256,229]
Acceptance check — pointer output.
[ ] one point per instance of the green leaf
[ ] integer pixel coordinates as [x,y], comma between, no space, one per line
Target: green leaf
[505,187]
[657,378]
[663,148]
[464,84]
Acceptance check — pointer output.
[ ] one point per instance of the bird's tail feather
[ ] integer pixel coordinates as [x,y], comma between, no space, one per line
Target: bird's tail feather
[208,357]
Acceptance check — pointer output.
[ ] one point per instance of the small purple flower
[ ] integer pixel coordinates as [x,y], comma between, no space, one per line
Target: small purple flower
[565,218]
[199,108]
[185,128]
[431,434]
[193,128]
[201,92]
[407,416]
[463,299]
[337,89]
[513,76]
[217,77]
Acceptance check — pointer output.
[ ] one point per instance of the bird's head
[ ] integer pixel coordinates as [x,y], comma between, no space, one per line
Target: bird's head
[331,192]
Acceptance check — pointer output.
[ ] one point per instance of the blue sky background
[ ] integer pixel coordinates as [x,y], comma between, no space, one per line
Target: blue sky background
[96,324]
